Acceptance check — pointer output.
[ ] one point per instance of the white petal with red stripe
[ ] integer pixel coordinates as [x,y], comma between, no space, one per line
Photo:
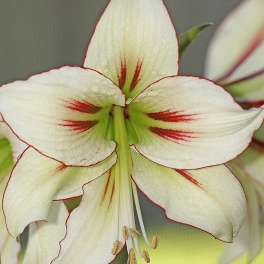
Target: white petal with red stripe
[93,227]
[134,44]
[236,52]
[44,237]
[187,122]
[210,199]
[63,113]
[32,188]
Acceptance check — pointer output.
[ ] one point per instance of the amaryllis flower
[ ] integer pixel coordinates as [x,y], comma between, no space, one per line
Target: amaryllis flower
[127,117]
[43,237]
[236,60]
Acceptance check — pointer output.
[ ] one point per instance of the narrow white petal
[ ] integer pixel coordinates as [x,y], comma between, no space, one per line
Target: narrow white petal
[44,237]
[92,227]
[237,49]
[210,199]
[134,44]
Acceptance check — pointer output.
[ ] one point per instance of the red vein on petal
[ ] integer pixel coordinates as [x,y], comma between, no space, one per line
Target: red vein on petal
[253,46]
[123,74]
[247,105]
[170,134]
[106,187]
[83,107]
[188,176]
[61,168]
[112,194]
[170,116]
[136,78]
[79,126]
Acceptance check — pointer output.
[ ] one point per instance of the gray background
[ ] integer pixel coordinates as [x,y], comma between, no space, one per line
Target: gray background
[39,35]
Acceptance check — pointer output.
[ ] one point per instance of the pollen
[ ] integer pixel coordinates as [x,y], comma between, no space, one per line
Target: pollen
[146,256]
[134,232]
[154,242]
[115,247]
[131,257]
[125,233]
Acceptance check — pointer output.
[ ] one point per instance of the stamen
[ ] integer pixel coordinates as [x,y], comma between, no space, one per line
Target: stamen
[154,242]
[146,256]
[115,247]
[125,233]
[134,232]
[131,257]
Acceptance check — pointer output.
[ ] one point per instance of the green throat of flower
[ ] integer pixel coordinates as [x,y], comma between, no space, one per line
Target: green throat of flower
[126,193]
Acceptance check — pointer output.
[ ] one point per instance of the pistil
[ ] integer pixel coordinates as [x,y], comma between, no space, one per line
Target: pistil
[126,192]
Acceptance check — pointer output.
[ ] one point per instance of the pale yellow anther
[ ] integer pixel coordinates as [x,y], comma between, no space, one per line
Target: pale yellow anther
[146,256]
[134,232]
[115,247]
[154,242]
[125,233]
[131,257]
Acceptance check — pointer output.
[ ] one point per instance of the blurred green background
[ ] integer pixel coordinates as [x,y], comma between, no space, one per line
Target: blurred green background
[37,35]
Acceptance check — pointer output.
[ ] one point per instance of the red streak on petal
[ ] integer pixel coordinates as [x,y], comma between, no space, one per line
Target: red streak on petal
[170,134]
[253,46]
[106,187]
[112,194]
[136,78]
[247,105]
[61,168]
[123,74]
[170,116]
[79,126]
[83,107]
[188,176]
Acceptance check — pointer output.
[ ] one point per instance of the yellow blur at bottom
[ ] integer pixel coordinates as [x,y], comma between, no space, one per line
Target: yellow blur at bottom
[179,244]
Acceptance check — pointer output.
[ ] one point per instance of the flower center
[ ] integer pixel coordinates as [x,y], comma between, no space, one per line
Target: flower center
[126,192]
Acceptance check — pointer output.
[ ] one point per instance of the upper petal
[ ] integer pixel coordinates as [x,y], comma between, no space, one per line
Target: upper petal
[134,44]
[44,237]
[36,180]
[237,49]
[94,226]
[63,113]
[236,54]
[188,122]
[211,198]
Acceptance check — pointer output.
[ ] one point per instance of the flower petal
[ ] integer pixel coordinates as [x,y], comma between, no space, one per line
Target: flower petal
[9,248]
[33,186]
[134,44]
[63,113]
[237,50]
[249,236]
[210,199]
[187,122]
[17,145]
[92,227]
[44,237]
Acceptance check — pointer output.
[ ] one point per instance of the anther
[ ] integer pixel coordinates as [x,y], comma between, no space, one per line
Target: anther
[134,232]
[115,247]
[125,233]
[146,256]
[131,257]
[154,242]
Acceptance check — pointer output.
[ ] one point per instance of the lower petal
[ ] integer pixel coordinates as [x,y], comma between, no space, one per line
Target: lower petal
[210,199]
[44,237]
[92,228]
[37,180]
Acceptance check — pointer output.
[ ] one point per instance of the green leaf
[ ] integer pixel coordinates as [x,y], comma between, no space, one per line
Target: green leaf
[189,36]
